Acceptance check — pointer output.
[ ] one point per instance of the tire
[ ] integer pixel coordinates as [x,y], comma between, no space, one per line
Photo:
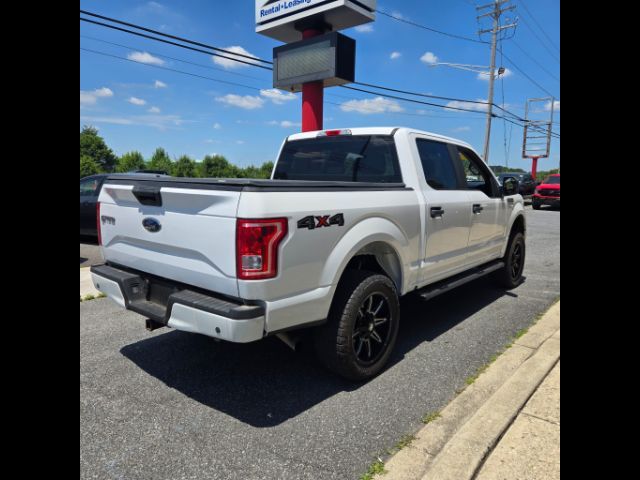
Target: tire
[510,276]
[347,343]
[535,205]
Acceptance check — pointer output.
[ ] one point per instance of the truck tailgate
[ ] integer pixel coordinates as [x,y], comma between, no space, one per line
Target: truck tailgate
[195,241]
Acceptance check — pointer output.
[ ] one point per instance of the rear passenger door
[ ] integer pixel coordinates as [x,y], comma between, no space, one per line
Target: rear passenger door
[447,210]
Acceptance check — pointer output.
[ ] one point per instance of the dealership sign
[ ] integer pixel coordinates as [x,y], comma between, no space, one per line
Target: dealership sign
[282,19]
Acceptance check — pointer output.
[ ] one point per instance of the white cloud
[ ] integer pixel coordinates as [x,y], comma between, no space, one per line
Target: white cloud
[285,124]
[366,28]
[485,76]
[136,101]
[161,122]
[159,84]
[226,63]
[395,55]
[91,97]
[277,96]
[217,126]
[479,107]
[240,142]
[144,57]
[368,107]
[154,110]
[556,106]
[429,58]
[247,102]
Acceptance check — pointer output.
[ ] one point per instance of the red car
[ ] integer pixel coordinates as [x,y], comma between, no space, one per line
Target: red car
[547,193]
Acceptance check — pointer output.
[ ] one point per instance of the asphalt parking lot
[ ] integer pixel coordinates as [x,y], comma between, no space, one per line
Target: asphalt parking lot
[89,252]
[173,405]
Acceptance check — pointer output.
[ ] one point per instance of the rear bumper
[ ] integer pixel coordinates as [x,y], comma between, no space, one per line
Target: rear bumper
[180,307]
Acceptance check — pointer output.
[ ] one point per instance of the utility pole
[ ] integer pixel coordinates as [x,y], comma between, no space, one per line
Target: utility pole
[496,11]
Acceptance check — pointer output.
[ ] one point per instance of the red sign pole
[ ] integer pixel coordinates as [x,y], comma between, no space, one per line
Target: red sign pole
[312,96]
[534,166]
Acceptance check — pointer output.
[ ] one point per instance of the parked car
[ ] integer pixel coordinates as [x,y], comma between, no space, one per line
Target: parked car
[547,193]
[526,181]
[350,221]
[89,191]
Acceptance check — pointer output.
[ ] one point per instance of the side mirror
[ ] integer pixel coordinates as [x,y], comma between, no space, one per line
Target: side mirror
[510,186]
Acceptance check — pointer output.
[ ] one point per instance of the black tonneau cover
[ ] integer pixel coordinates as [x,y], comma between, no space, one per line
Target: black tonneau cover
[245,184]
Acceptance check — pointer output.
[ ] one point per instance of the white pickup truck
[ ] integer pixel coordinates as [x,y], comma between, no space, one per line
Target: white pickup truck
[350,221]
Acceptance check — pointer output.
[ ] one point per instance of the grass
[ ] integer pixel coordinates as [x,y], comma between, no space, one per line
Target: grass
[376,468]
[430,417]
[90,296]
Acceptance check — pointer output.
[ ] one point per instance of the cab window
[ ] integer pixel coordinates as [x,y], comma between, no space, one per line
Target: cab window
[439,169]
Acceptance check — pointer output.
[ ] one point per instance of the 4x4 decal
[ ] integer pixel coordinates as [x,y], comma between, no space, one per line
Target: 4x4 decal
[317,221]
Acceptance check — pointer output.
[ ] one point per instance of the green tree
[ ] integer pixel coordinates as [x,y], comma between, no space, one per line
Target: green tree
[217,166]
[160,161]
[88,166]
[265,170]
[93,145]
[130,161]
[184,167]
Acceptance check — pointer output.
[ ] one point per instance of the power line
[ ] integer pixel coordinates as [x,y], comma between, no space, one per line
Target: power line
[535,61]
[174,37]
[173,43]
[242,61]
[424,27]
[539,26]
[173,58]
[169,69]
[540,40]
[527,76]
[255,65]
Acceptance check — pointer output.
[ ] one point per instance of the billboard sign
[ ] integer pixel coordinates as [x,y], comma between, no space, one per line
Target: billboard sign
[280,19]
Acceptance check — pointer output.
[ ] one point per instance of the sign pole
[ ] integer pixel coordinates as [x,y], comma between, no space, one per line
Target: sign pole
[534,166]
[312,95]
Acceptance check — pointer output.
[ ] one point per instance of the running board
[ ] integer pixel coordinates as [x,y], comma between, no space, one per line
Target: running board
[443,286]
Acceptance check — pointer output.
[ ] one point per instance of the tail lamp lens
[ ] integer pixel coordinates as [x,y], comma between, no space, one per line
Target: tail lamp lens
[257,243]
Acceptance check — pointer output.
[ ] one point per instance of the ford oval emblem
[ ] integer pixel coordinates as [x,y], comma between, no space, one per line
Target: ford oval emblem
[151,225]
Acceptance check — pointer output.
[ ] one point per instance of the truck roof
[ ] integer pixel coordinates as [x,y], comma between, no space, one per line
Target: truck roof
[382,131]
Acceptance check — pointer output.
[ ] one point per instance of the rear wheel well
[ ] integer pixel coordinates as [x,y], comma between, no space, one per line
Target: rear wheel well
[379,258]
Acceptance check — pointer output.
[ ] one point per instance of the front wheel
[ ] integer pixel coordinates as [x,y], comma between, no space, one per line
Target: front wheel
[362,326]
[510,276]
[535,205]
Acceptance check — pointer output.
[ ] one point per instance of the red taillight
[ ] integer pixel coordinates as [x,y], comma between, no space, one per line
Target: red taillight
[257,244]
[98,223]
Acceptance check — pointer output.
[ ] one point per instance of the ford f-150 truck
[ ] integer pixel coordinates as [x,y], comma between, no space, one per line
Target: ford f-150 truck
[349,221]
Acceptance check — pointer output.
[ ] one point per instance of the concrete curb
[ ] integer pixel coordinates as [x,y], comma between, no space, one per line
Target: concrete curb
[454,445]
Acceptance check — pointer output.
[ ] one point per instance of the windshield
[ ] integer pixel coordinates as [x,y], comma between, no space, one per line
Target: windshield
[552,180]
[343,158]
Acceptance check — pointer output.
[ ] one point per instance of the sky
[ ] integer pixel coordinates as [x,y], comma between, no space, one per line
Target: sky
[137,106]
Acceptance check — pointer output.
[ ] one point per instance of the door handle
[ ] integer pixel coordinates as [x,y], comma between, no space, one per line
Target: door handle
[509,200]
[437,212]
[477,208]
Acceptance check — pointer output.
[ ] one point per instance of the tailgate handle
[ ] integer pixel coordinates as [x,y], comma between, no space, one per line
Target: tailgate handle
[148,195]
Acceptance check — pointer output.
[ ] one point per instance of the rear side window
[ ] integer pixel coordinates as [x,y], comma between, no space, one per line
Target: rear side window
[89,187]
[357,158]
[438,167]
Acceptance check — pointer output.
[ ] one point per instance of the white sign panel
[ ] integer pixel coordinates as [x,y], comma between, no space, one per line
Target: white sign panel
[277,18]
